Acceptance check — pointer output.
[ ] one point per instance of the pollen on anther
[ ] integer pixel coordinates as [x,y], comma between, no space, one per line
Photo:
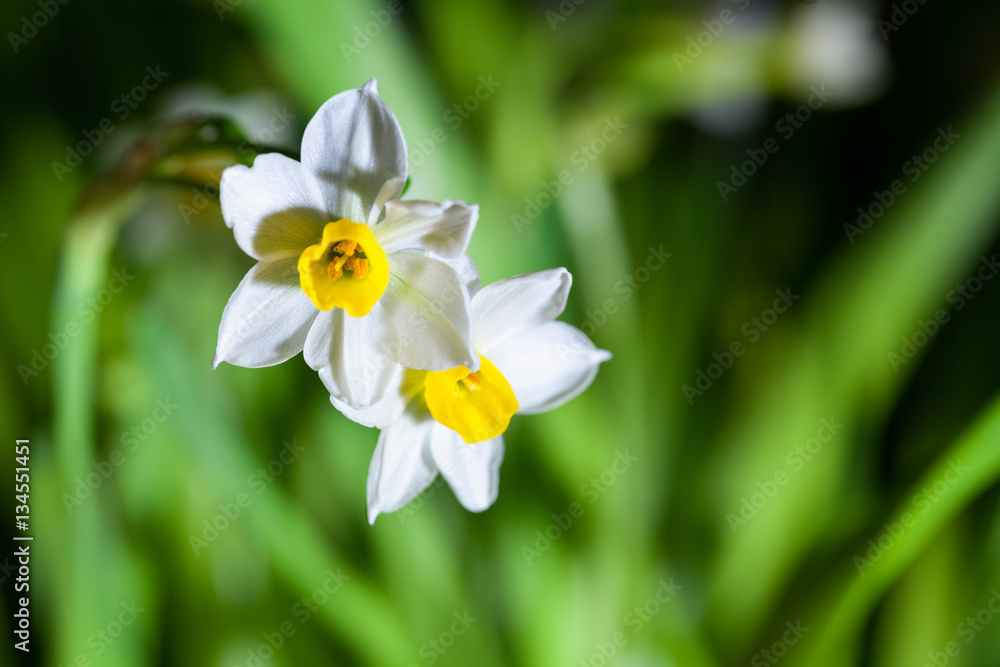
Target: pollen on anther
[346,247]
[358,265]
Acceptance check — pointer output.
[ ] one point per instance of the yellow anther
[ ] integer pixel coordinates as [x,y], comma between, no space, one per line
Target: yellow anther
[359,265]
[346,248]
[336,267]
[347,259]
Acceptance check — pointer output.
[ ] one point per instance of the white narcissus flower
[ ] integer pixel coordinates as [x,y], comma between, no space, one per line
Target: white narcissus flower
[345,269]
[452,421]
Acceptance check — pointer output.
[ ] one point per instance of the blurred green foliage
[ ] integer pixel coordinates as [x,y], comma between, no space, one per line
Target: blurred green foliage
[877,545]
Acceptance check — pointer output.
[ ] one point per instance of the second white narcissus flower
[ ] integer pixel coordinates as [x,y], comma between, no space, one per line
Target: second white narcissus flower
[452,421]
[344,268]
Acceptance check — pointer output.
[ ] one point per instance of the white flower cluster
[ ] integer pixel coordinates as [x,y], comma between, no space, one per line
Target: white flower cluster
[387,307]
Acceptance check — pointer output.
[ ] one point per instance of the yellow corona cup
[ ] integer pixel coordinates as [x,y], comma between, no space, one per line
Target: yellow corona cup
[478,406]
[346,269]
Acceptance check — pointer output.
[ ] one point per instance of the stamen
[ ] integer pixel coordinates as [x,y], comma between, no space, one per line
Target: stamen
[336,268]
[359,265]
[327,270]
[349,259]
[471,381]
[346,247]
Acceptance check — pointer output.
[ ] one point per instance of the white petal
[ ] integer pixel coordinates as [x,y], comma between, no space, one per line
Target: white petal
[547,366]
[392,189]
[275,207]
[402,465]
[441,229]
[472,471]
[354,146]
[468,274]
[382,413]
[507,307]
[267,317]
[426,309]
[349,353]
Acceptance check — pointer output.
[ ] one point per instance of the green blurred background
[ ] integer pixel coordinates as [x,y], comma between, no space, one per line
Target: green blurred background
[830,495]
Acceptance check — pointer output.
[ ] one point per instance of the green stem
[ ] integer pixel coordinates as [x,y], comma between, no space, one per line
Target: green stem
[89,239]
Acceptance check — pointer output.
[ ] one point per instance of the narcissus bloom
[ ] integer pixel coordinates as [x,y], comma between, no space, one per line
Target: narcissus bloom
[452,421]
[345,270]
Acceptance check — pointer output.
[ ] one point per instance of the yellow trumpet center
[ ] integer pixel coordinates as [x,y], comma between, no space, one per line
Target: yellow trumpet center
[478,406]
[346,269]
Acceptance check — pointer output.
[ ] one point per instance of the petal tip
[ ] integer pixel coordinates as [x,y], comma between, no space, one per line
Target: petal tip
[370,87]
[478,505]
